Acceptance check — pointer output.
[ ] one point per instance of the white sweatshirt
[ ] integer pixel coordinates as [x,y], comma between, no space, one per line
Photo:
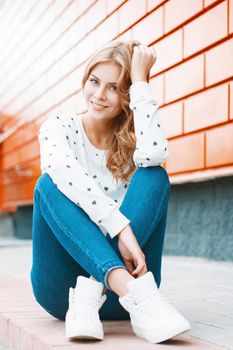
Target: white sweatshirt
[78,168]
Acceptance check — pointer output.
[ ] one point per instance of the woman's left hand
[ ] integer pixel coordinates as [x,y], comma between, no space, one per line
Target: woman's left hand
[143,59]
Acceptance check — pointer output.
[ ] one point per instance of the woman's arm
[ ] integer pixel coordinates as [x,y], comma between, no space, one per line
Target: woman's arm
[71,178]
[151,145]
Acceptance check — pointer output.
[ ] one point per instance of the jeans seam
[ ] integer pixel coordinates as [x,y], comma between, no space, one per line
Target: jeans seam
[159,206]
[85,251]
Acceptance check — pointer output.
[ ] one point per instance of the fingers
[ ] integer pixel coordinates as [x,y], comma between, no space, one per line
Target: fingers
[129,266]
[141,266]
[140,273]
[143,272]
[146,49]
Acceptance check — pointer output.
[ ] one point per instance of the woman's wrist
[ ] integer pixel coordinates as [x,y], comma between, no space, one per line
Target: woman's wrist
[122,231]
[138,78]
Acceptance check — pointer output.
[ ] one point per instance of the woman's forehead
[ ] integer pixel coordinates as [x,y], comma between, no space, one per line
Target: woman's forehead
[107,71]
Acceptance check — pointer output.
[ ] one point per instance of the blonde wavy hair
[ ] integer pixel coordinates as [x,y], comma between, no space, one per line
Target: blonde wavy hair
[121,139]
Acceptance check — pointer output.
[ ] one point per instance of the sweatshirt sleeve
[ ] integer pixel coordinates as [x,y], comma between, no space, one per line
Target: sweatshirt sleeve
[151,144]
[72,179]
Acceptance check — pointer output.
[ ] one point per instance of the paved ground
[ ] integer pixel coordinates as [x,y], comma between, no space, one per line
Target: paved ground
[201,290]
[2,347]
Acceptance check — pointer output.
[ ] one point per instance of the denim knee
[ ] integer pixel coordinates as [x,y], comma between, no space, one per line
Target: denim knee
[154,175]
[45,180]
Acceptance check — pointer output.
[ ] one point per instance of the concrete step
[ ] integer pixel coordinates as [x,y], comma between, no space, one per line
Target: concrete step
[25,325]
[6,225]
[3,347]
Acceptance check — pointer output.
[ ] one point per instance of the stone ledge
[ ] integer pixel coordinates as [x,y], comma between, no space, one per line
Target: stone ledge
[25,325]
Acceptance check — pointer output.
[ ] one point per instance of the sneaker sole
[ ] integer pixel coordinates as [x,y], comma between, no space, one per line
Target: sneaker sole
[83,333]
[149,335]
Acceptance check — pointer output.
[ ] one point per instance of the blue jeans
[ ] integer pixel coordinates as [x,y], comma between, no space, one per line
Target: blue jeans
[66,243]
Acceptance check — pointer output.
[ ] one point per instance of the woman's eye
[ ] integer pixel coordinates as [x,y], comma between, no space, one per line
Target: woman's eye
[93,80]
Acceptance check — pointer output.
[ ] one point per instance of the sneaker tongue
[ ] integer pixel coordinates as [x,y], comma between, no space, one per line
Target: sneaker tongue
[142,286]
[88,287]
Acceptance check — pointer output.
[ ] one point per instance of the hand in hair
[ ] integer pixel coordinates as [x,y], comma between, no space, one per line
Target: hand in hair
[131,252]
[143,58]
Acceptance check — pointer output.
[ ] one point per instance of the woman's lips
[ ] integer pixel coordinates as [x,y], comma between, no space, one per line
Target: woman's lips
[97,107]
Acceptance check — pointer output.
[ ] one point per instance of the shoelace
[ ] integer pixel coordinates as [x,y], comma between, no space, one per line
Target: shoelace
[82,303]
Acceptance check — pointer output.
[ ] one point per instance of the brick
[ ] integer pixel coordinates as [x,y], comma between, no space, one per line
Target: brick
[219,145]
[69,104]
[171,119]
[69,15]
[153,3]
[230,16]
[81,106]
[20,308]
[113,4]
[13,337]
[157,85]
[178,11]
[86,48]
[4,337]
[231,100]
[186,153]
[41,314]
[53,335]
[95,14]
[23,154]
[63,68]
[107,30]
[130,12]
[126,35]
[190,342]
[206,108]
[209,2]
[150,28]
[82,5]
[169,52]
[206,29]
[184,79]
[26,340]
[51,330]
[219,63]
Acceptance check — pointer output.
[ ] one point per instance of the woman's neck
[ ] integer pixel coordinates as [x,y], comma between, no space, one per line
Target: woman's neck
[96,131]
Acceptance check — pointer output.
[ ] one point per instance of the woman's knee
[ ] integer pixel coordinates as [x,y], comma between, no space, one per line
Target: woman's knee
[154,175]
[44,180]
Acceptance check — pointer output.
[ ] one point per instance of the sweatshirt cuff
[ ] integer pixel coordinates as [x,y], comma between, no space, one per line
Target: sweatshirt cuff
[141,92]
[140,89]
[115,222]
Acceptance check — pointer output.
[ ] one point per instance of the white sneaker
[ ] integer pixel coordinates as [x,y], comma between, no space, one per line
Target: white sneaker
[82,318]
[152,317]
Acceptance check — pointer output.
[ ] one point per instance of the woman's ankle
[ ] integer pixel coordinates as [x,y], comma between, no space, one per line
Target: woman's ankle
[118,279]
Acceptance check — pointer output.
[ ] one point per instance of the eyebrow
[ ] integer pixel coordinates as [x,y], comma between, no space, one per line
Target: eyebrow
[99,79]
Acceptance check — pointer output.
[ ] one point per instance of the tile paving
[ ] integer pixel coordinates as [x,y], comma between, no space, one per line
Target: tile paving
[201,290]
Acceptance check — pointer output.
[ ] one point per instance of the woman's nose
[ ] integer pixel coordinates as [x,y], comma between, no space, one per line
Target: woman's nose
[100,93]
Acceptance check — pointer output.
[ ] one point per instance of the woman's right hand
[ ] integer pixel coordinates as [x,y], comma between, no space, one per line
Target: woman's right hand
[131,252]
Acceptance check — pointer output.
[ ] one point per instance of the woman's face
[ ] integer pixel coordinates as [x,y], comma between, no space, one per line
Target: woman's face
[100,91]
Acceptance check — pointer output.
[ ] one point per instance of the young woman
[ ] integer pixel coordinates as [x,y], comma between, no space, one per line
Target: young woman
[100,204]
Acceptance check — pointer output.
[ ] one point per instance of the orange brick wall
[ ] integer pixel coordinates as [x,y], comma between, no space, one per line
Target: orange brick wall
[43,50]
